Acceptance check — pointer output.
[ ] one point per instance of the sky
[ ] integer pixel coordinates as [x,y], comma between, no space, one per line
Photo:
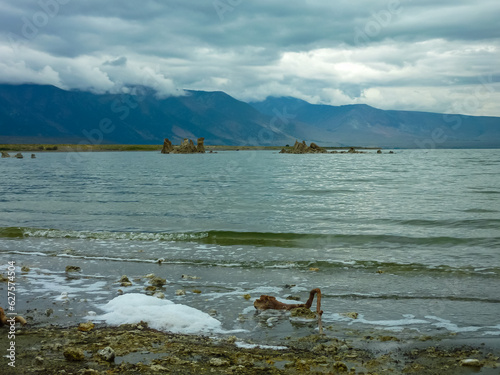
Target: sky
[424,55]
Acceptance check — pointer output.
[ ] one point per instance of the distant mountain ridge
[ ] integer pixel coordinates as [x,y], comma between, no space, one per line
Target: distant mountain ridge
[363,125]
[47,114]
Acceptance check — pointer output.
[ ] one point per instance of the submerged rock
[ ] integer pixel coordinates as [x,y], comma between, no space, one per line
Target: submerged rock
[158,281]
[124,280]
[303,312]
[351,314]
[73,269]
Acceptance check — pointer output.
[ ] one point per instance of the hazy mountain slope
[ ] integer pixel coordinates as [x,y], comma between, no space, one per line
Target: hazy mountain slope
[367,126]
[46,114]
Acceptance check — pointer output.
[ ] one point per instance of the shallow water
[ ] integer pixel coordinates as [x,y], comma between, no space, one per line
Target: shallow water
[408,240]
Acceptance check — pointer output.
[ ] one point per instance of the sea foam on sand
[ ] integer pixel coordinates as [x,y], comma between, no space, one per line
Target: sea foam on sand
[160,314]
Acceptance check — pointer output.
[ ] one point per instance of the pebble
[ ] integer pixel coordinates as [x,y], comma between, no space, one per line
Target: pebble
[74,354]
[108,354]
[470,362]
[86,327]
[158,281]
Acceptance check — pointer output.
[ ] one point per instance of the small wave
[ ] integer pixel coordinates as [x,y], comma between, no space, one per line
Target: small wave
[23,232]
[259,239]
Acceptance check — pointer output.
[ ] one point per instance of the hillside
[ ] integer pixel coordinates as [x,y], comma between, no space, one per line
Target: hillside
[46,114]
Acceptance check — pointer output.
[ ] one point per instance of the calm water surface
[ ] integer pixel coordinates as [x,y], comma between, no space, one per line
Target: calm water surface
[410,240]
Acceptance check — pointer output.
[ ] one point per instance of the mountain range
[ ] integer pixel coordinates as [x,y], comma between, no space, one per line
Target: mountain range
[47,114]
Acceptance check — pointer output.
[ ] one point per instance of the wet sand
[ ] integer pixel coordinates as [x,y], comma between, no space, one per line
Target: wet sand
[139,349]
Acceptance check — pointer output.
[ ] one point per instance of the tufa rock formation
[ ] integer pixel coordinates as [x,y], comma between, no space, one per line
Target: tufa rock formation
[200,147]
[167,147]
[302,148]
[186,147]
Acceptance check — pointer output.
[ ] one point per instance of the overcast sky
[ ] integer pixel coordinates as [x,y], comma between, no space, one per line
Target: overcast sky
[425,55]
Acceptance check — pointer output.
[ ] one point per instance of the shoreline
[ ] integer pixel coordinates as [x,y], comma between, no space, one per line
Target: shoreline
[42,148]
[139,349]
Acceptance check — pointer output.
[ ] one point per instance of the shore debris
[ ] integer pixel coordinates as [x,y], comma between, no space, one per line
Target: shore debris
[266,302]
[5,321]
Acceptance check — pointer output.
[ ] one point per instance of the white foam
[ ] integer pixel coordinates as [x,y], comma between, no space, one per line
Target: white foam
[244,345]
[160,314]
[452,327]
[407,320]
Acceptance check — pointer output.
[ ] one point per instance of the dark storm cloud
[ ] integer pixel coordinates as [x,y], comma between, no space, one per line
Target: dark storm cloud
[398,54]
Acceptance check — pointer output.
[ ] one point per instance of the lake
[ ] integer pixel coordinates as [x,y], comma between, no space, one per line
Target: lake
[410,241]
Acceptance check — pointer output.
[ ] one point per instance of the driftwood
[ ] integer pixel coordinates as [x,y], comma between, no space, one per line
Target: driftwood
[5,321]
[268,302]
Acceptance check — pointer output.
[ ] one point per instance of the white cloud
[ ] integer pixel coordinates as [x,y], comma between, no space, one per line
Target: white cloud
[390,54]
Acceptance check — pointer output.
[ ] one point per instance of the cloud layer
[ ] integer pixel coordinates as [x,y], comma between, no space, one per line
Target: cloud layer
[393,54]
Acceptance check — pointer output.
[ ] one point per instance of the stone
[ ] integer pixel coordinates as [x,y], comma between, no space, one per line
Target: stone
[5,154]
[73,269]
[379,151]
[167,146]
[158,281]
[159,295]
[33,156]
[218,362]
[303,312]
[180,292]
[189,277]
[470,362]
[351,314]
[25,269]
[86,327]
[74,354]
[19,155]
[124,278]
[108,354]
[124,281]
